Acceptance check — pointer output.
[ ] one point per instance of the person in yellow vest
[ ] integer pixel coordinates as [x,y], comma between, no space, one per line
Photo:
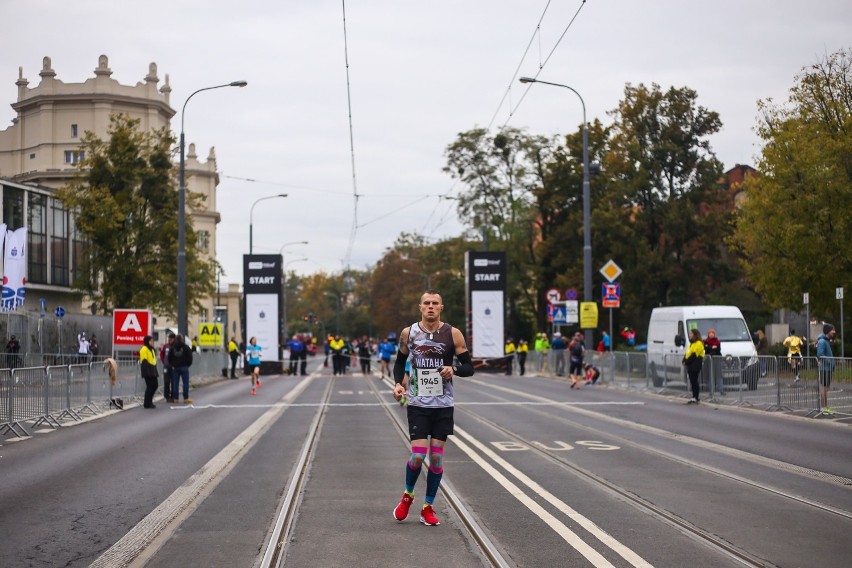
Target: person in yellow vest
[234,353]
[794,352]
[523,349]
[542,347]
[510,355]
[148,364]
[337,344]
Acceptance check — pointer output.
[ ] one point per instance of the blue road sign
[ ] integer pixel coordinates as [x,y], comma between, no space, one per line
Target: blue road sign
[559,314]
[60,312]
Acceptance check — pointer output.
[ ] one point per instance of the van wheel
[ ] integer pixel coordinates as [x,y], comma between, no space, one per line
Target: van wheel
[656,379]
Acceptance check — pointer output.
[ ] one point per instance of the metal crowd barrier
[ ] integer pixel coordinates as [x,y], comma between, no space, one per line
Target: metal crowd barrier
[766,381]
[32,397]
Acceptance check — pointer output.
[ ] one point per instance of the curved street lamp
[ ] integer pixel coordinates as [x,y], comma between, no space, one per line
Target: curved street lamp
[587,230]
[181,259]
[251,217]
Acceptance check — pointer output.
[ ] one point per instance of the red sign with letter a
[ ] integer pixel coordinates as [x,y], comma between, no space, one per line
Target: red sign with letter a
[129,327]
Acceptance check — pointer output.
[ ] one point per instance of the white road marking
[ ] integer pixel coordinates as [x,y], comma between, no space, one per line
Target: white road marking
[563,531]
[189,495]
[394,403]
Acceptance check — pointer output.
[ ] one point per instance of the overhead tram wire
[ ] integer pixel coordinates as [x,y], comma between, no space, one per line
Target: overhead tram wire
[541,65]
[355,195]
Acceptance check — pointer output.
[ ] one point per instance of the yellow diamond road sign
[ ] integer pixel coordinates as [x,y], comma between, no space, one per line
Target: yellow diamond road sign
[610,271]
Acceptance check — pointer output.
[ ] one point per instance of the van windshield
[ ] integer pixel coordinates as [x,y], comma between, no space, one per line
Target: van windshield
[727,329]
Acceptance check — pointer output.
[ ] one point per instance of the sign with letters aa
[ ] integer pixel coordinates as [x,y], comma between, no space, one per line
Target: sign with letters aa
[129,327]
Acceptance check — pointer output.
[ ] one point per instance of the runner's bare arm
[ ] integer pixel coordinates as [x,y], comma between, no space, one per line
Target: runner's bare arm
[399,374]
[465,368]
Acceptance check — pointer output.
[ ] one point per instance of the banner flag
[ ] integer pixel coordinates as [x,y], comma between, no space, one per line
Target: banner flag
[14,269]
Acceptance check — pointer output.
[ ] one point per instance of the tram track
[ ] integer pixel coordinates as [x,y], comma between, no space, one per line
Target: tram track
[275,551]
[475,531]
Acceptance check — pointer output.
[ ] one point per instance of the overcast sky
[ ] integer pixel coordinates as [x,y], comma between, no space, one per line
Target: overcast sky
[420,73]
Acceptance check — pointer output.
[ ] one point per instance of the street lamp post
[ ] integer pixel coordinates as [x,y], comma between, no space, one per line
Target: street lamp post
[181,260]
[587,229]
[251,218]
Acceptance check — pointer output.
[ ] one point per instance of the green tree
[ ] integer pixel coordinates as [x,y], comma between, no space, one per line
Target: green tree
[664,217]
[501,173]
[126,205]
[794,226]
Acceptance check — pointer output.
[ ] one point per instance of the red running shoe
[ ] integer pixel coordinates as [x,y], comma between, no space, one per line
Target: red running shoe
[258,382]
[401,510]
[427,516]
[253,391]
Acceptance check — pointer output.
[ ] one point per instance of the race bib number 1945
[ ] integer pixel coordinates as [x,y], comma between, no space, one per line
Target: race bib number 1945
[429,383]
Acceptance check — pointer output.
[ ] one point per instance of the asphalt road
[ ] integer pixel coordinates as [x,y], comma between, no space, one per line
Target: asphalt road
[554,476]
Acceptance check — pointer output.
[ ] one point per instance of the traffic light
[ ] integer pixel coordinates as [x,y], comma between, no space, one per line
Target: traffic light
[310,317]
[305,318]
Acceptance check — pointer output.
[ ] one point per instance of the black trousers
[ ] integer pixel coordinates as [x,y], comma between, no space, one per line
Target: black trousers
[522,361]
[167,383]
[694,373]
[337,363]
[151,385]
[234,356]
[303,365]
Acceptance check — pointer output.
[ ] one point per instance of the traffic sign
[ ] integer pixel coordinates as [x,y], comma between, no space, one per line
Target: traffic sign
[611,295]
[610,271]
[838,293]
[60,312]
[805,298]
[571,294]
[572,311]
[559,314]
[553,295]
[129,327]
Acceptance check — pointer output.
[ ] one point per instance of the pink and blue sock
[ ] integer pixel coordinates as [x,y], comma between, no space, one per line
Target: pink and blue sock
[436,472]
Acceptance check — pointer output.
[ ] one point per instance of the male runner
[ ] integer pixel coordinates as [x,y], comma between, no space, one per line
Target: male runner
[430,346]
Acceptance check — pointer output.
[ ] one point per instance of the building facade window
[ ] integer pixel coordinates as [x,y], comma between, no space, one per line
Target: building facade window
[73,131]
[37,238]
[204,241]
[74,156]
[78,249]
[203,315]
[13,207]
[59,256]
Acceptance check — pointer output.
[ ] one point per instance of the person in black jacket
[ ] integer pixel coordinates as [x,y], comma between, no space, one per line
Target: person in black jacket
[180,359]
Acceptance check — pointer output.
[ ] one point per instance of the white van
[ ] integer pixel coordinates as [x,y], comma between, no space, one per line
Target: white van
[668,336]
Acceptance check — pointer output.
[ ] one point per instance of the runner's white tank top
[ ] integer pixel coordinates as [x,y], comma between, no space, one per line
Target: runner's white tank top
[426,352]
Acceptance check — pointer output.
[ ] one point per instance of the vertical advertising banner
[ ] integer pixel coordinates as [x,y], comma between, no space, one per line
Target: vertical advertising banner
[262,286]
[485,287]
[14,269]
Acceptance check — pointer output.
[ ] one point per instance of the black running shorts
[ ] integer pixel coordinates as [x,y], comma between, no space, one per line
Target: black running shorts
[576,367]
[426,422]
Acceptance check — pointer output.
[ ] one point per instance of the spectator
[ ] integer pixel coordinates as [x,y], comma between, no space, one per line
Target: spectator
[234,354]
[542,346]
[148,370]
[558,345]
[168,370]
[510,354]
[629,335]
[13,347]
[607,341]
[82,347]
[762,351]
[94,347]
[180,359]
[337,345]
[523,349]
[826,361]
[713,349]
[693,360]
